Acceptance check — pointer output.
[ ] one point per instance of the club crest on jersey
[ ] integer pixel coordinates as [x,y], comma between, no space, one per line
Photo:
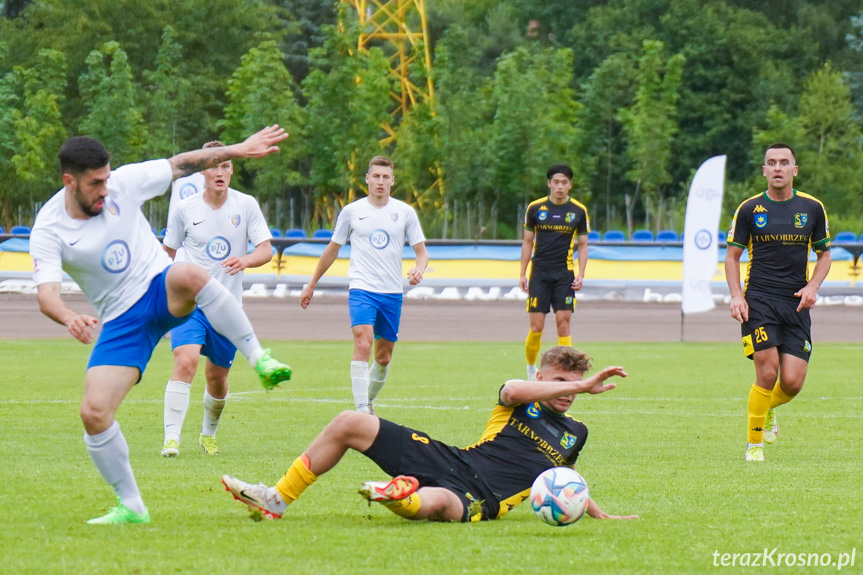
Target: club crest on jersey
[116,257]
[570,217]
[379,239]
[218,248]
[567,441]
[800,220]
[394,216]
[533,411]
[541,216]
[112,207]
[760,221]
[760,208]
[188,190]
[235,220]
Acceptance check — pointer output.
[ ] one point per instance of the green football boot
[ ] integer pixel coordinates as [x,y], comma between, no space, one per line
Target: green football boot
[271,371]
[754,453]
[208,444]
[121,515]
[170,449]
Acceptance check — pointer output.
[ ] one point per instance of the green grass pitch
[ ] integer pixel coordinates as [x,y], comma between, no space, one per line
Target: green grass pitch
[667,444]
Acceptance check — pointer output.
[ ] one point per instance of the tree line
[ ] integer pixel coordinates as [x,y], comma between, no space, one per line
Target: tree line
[634,94]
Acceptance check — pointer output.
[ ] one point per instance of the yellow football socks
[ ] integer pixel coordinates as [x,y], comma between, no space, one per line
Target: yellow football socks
[407,507]
[567,341]
[759,405]
[779,397]
[297,478]
[532,345]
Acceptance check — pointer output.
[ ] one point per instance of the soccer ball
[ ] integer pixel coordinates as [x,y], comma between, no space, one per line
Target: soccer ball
[559,496]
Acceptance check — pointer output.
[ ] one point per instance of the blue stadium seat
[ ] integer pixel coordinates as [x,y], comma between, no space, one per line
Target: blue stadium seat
[593,236]
[667,236]
[2,231]
[20,230]
[164,232]
[721,237]
[642,236]
[841,237]
[295,233]
[322,234]
[614,236]
[276,232]
[861,237]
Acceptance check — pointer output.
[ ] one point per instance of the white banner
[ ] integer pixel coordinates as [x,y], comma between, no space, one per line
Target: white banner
[700,248]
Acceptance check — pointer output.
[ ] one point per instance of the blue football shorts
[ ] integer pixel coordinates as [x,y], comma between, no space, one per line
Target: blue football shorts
[198,331]
[381,310]
[129,340]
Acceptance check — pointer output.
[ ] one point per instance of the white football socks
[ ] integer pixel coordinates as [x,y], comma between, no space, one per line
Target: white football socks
[229,319]
[212,413]
[360,384]
[110,453]
[176,406]
[377,379]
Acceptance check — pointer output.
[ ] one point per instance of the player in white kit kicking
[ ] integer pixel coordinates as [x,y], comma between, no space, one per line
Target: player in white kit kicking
[94,230]
[377,227]
[215,228]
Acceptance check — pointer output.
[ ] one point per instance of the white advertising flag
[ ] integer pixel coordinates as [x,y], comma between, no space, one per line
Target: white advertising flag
[700,249]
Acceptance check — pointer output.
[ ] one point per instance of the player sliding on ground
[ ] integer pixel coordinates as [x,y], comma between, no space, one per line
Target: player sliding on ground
[527,433]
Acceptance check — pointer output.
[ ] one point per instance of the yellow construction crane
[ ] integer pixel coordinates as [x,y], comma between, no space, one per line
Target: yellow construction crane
[400,24]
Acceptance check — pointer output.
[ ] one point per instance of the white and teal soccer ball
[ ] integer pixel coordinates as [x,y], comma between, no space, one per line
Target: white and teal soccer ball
[559,496]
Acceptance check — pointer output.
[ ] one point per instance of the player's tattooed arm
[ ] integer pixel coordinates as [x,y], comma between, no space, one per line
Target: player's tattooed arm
[257,145]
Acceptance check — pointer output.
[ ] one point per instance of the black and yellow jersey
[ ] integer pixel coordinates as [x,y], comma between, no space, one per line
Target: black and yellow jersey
[519,443]
[557,227]
[778,237]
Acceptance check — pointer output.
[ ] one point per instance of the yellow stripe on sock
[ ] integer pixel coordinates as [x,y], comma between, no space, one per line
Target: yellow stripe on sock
[567,341]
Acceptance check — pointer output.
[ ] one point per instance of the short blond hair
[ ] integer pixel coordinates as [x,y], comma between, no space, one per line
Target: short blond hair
[565,358]
[381,161]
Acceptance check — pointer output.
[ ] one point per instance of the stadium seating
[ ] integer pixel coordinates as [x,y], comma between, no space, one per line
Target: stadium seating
[614,236]
[322,234]
[2,231]
[164,232]
[845,237]
[593,236]
[861,237]
[667,236]
[20,231]
[721,236]
[642,236]
[295,233]
[276,232]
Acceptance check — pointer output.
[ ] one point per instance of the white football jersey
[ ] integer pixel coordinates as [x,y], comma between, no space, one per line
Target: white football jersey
[212,236]
[114,256]
[377,237]
[181,189]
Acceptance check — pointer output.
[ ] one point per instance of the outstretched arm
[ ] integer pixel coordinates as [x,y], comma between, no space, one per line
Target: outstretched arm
[257,145]
[594,511]
[516,392]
